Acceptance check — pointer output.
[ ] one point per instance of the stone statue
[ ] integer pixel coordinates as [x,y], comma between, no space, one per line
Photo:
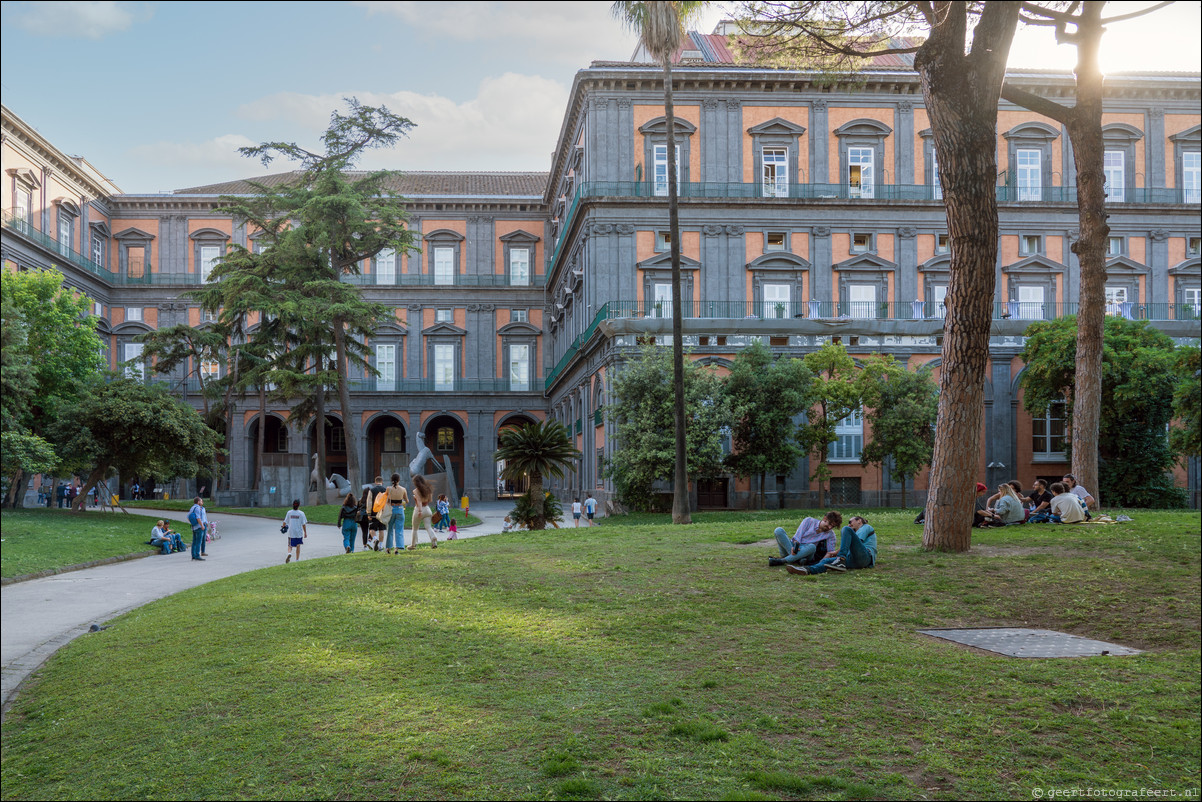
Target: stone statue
[418,466]
[338,483]
[314,478]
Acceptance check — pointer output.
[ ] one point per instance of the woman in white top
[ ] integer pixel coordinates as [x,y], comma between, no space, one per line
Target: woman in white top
[423,494]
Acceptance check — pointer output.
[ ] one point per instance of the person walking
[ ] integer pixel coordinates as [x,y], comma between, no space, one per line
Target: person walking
[590,509]
[198,519]
[577,509]
[364,510]
[398,497]
[379,513]
[443,508]
[347,522]
[423,494]
[298,529]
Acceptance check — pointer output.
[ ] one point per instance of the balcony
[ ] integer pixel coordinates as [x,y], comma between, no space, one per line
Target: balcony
[454,280]
[431,386]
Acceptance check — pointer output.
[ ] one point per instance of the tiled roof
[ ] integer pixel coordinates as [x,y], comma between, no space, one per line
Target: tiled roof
[413,184]
[715,49]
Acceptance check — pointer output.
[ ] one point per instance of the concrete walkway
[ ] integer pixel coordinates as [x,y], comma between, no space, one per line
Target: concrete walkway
[39,616]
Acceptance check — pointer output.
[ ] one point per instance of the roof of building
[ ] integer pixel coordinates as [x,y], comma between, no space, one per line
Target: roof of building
[414,184]
[715,48]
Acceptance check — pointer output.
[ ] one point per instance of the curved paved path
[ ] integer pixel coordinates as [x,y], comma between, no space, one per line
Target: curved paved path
[40,616]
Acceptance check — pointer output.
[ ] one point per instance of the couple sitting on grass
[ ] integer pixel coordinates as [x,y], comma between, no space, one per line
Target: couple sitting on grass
[812,549]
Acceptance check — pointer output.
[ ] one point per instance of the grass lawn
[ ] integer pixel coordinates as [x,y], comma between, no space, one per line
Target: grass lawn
[638,662]
[323,514]
[39,539]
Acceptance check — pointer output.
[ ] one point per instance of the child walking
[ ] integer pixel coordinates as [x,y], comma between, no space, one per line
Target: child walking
[298,529]
[454,531]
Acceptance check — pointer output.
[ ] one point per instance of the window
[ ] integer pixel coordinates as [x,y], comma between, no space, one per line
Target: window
[1192,296]
[1031,244]
[939,295]
[937,191]
[444,367]
[1030,303]
[519,367]
[386,363]
[663,240]
[775,241]
[1114,170]
[337,438]
[1193,246]
[394,440]
[208,316]
[860,172]
[776,301]
[21,205]
[133,314]
[862,300]
[861,243]
[97,309]
[661,169]
[850,439]
[444,316]
[136,261]
[1114,246]
[519,267]
[1115,298]
[132,353]
[661,300]
[775,172]
[943,243]
[444,439]
[1191,176]
[209,254]
[444,265]
[1029,174]
[519,316]
[1047,434]
[98,248]
[210,369]
[386,266]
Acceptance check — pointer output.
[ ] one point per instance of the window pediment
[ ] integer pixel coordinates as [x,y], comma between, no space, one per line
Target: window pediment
[776,126]
[25,177]
[131,328]
[865,261]
[660,126]
[1193,134]
[208,234]
[519,238]
[664,261]
[100,228]
[1121,132]
[1034,264]
[133,234]
[67,205]
[940,263]
[1190,267]
[391,330]
[443,235]
[1032,130]
[518,328]
[444,329]
[864,127]
[1122,264]
[780,260]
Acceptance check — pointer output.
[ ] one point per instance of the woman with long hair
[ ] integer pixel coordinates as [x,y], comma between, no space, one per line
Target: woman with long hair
[1009,507]
[347,522]
[398,497]
[422,495]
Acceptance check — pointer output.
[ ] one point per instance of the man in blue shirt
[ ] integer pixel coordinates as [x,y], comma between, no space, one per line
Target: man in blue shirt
[199,520]
[813,540]
[857,549]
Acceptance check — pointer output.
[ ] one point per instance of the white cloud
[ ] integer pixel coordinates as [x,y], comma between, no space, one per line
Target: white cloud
[220,154]
[511,124]
[75,20]
[576,32]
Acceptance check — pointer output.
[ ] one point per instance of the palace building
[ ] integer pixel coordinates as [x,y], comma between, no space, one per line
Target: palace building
[810,212]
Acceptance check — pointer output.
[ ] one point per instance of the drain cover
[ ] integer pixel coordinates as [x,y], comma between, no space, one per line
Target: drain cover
[1017,642]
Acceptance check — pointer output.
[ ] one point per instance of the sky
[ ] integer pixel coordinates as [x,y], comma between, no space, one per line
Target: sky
[159,95]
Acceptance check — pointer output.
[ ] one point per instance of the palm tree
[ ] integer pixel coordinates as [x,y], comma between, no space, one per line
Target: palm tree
[660,26]
[536,450]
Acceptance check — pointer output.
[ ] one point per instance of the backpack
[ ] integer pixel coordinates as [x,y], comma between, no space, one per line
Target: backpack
[193,518]
[379,503]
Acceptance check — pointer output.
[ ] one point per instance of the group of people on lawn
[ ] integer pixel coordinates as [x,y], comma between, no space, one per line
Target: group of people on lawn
[1065,502]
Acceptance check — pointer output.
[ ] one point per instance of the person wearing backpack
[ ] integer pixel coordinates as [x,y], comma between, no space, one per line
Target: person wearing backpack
[198,519]
[381,512]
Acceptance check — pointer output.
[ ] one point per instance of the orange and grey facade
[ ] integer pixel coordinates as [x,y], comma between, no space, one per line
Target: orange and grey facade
[810,212]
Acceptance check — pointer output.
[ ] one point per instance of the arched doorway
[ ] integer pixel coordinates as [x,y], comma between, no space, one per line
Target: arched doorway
[275,445]
[510,488]
[335,446]
[386,446]
[444,436]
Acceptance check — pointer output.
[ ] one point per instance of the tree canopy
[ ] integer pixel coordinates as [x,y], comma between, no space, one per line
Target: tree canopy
[536,450]
[900,409]
[834,394]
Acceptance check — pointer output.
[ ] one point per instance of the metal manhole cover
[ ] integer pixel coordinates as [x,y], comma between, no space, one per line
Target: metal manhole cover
[1019,642]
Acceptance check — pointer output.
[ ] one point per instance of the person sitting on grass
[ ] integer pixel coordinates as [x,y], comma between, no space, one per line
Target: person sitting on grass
[162,536]
[857,549]
[1066,507]
[813,540]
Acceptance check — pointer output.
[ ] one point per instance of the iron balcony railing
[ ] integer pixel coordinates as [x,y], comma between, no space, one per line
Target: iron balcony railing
[602,314]
[533,384]
[535,281]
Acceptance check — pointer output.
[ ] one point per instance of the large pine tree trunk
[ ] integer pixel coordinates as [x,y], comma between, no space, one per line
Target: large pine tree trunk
[344,401]
[680,486]
[961,93]
[1085,131]
[261,439]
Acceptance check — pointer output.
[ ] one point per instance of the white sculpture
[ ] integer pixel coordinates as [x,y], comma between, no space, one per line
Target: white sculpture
[424,455]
